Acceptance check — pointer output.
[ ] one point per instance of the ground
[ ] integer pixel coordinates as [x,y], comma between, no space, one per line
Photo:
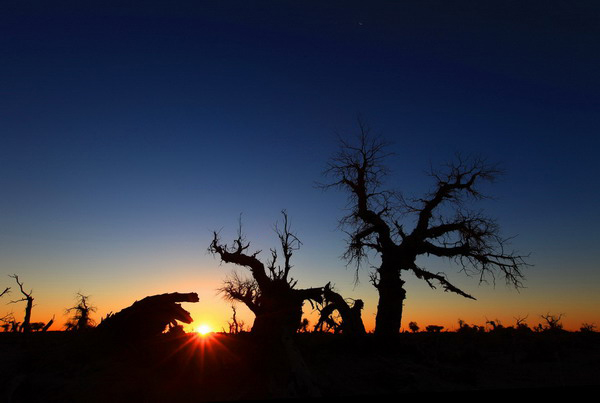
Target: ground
[65,367]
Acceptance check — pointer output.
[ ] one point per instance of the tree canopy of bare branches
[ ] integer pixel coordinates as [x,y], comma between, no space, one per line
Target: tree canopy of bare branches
[442,224]
[270,292]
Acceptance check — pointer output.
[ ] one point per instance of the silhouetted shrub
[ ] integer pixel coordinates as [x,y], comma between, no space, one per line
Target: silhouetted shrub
[434,328]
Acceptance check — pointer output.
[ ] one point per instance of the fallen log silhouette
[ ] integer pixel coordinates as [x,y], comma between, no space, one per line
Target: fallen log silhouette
[149,316]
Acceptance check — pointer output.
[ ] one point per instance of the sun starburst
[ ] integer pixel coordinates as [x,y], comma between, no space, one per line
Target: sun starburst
[203,329]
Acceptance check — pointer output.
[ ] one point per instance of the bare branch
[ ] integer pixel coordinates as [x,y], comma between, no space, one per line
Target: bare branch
[289,243]
[237,256]
[439,277]
[237,288]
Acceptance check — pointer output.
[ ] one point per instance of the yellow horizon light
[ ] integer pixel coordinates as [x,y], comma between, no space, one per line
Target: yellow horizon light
[203,329]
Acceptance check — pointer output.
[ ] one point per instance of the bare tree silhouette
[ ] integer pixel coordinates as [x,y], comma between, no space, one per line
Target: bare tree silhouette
[26,325]
[235,325]
[9,317]
[8,321]
[553,323]
[587,328]
[81,319]
[443,225]
[270,293]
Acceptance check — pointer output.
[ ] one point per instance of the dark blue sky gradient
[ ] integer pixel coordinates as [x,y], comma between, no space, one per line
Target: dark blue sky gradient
[137,128]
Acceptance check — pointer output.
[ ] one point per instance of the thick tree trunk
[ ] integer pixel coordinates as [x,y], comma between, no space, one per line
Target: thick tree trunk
[278,317]
[280,309]
[287,375]
[391,302]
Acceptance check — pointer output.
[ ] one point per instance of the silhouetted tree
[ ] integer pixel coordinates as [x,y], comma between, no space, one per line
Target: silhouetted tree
[465,328]
[81,319]
[149,317]
[351,321]
[521,326]
[495,324]
[434,328]
[587,328]
[26,325]
[413,327]
[235,326]
[304,325]
[443,226]
[552,322]
[270,293]
[7,321]
[37,326]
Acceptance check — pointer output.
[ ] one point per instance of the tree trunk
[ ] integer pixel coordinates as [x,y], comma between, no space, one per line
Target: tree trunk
[391,302]
[280,309]
[278,317]
[26,326]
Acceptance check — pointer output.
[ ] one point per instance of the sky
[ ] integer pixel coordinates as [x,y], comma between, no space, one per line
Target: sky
[129,132]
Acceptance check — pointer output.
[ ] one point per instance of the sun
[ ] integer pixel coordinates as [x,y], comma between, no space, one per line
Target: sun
[203,329]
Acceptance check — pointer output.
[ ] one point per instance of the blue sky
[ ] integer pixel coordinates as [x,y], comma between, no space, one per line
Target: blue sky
[130,132]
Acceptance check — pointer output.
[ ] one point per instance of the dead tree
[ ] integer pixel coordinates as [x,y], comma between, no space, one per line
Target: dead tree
[440,224]
[351,321]
[587,328]
[26,325]
[270,292]
[235,326]
[148,317]
[521,325]
[553,322]
[7,321]
[9,317]
[81,319]
[50,322]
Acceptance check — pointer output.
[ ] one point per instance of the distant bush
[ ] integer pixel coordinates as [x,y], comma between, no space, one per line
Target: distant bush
[434,328]
[553,323]
[466,329]
[587,328]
